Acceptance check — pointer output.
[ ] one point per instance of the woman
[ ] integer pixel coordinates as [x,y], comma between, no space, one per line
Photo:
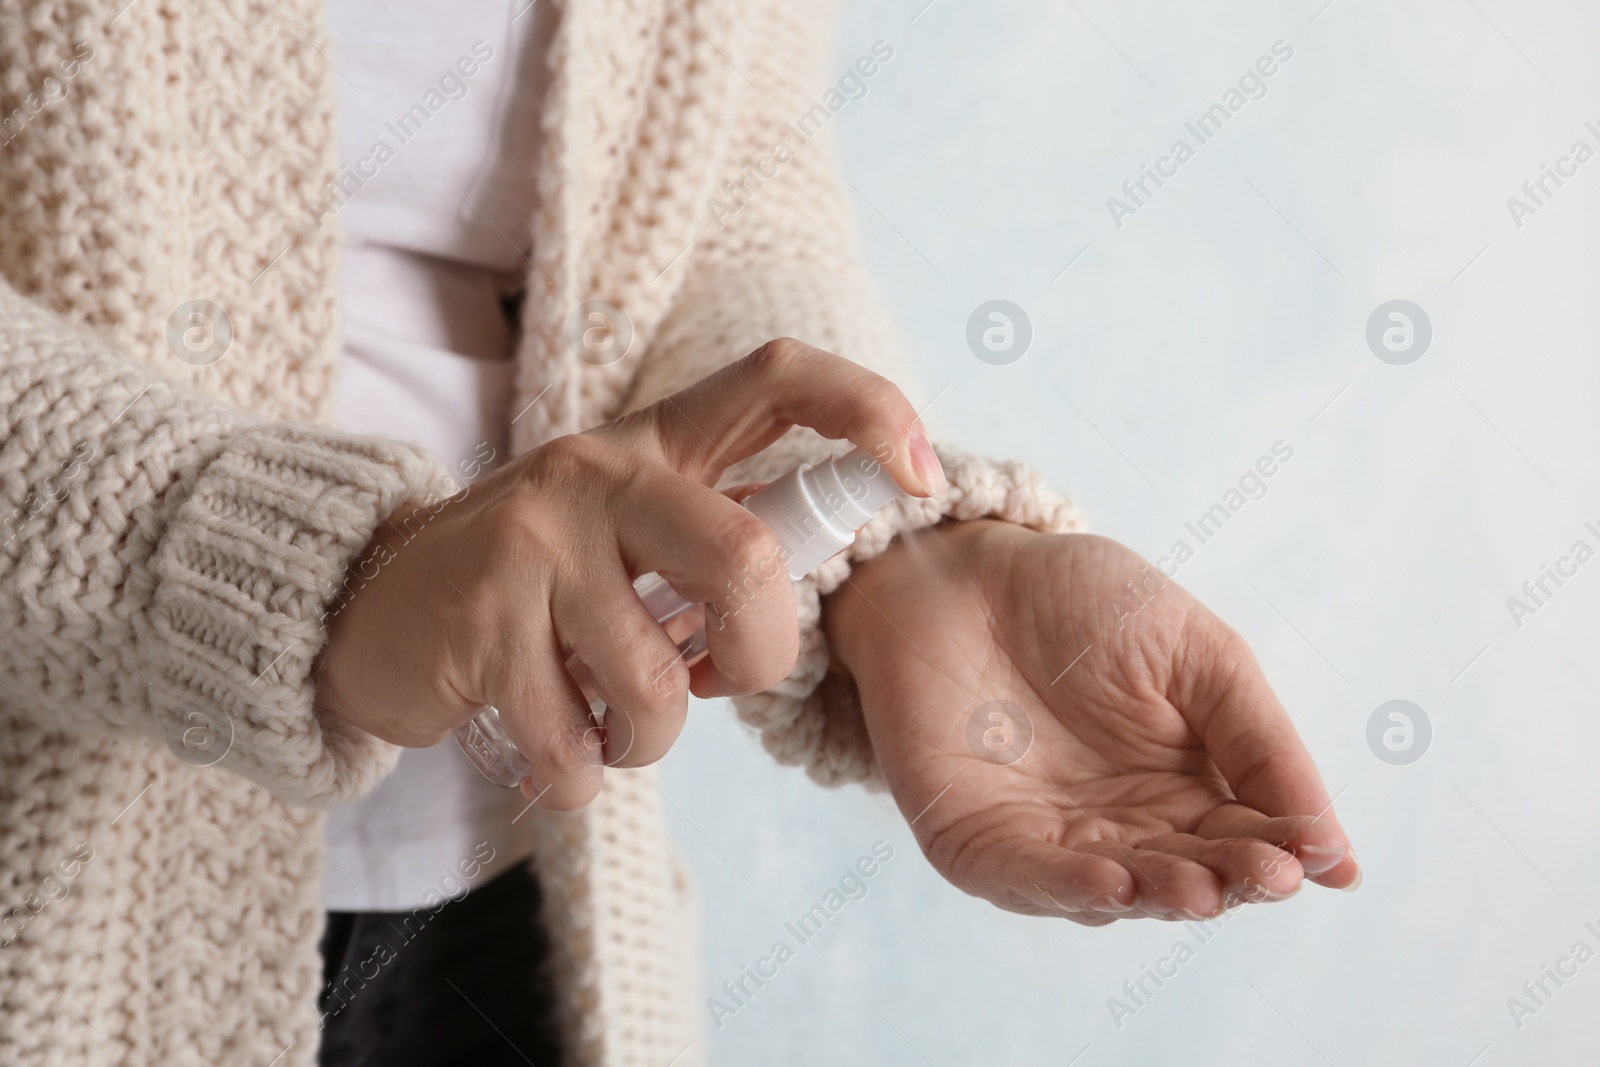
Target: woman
[221,613]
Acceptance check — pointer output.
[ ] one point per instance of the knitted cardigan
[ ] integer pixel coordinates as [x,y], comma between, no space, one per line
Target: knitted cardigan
[173,534]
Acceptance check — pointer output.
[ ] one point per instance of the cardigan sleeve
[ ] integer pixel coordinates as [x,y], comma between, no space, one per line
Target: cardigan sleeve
[166,560]
[777,256]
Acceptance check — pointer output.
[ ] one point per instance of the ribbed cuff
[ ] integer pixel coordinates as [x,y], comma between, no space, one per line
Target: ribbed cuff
[813,717]
[246,572]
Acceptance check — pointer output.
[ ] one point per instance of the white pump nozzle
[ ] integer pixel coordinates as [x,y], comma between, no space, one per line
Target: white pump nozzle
[816,511]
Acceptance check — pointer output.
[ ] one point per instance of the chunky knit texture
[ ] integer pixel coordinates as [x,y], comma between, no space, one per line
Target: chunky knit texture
[176,532]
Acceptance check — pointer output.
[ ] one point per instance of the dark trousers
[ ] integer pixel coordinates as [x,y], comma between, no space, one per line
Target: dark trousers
[468,984]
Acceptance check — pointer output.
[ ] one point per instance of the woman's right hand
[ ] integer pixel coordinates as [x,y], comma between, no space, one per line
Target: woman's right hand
[484,600]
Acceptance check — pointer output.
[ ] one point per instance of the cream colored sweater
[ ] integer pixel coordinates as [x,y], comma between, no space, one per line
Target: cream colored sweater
[173,534]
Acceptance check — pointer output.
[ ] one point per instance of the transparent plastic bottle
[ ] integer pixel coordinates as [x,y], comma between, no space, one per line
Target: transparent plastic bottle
[816,512]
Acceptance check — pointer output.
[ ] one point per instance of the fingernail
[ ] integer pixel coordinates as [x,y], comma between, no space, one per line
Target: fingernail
[1109,904]
[1353,886]
[926,464]
[1319,859]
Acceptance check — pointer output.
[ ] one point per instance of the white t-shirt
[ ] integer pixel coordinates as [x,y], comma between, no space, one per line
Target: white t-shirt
[438,125]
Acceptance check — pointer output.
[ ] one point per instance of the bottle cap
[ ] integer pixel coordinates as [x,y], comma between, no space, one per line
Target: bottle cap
[817,510]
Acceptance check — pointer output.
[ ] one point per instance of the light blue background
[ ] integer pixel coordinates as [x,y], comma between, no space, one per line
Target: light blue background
[1219,319]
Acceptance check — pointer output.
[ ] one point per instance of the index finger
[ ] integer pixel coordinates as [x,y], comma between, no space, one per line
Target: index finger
[1250,738]
[746,406]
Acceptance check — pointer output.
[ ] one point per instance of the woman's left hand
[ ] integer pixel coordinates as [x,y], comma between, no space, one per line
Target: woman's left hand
[1064,743]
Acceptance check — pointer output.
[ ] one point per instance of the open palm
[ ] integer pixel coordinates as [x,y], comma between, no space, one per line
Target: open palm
[1064,742]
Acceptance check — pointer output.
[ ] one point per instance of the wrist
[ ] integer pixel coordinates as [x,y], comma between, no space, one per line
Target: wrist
[396,530]
[348,598]
[854,615]
[862,611]
[854,612]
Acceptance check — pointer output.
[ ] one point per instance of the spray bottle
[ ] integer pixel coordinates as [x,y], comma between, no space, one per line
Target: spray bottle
[816,512]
